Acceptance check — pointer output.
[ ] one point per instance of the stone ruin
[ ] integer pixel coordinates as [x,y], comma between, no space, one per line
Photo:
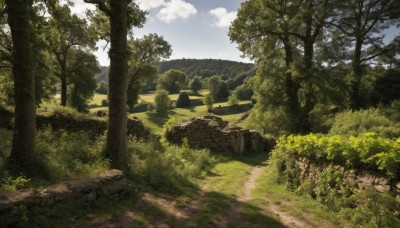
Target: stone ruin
[212,132]
[111,185]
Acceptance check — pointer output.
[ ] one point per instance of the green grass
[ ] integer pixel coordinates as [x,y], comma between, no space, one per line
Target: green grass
[223,186]
[149,97]
[155,121]
[97,98]
[267,191]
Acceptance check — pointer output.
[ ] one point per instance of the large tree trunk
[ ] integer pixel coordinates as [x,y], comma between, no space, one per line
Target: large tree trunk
[309,102]
[292,87]
[22,152]
[63,74]
[116,133]
[355,100]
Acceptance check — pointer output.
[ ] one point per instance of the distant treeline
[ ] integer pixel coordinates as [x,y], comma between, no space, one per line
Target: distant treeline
[206,68]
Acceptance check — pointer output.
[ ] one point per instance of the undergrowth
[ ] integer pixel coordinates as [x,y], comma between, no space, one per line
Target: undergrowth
[340,156]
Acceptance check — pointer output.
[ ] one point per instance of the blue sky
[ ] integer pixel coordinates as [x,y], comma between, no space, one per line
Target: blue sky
[194,28]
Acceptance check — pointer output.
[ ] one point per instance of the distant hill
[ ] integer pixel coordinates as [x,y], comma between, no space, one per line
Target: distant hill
[204,68]
[209,67]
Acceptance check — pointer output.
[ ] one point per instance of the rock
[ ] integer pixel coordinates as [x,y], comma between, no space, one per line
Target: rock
[382,188]
[59,191]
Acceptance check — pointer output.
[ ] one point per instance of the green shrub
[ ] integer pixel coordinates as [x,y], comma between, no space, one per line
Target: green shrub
[356,123]
[67,155]
[327,182]
[167,167]
[368,152]
[233,101]
[183,100]
[68,112]
[209,102]
[162,101]
[10,184]
[104,103]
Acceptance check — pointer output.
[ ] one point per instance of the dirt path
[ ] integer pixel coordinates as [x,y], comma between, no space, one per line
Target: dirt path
[245,195]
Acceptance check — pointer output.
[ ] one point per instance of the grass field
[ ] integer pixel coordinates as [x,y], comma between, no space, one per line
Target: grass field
[154,121]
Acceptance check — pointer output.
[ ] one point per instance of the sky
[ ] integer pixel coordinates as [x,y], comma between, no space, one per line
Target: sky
[194,28]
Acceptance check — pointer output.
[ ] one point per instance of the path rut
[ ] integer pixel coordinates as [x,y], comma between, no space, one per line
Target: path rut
[235,210]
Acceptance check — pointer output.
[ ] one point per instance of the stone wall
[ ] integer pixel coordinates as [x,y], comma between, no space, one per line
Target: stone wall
[212,132]
[94,125]
[111,185]
[360,178]
[87,124]
[232,109]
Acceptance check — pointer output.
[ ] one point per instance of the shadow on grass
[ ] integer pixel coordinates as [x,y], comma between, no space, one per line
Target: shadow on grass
[158,118]
[253,158]
[220,210]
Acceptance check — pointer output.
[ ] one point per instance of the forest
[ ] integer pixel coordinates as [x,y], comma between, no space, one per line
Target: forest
[312,124]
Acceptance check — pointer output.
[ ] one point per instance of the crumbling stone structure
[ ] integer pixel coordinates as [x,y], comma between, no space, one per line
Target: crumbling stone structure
[212,132]
[111,185]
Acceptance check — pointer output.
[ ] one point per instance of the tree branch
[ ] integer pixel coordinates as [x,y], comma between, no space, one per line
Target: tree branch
[101,4]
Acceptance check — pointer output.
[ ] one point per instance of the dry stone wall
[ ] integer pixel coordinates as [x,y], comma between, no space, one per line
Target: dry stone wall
[361,179]
[212,132]
[111,185]
[70,123]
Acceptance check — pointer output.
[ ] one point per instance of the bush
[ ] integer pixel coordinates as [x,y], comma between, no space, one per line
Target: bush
[368,152]
[183,100]
[233,101]
[167,167]
[327,182]
[104,103]
[162,101]
[67,155]
[195,84]
[243,92]
[209,102]
[356,123]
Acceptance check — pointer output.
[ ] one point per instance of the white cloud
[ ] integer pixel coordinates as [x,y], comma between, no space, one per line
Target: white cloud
[80,8]
[150,4]
[222,18]
[176,9]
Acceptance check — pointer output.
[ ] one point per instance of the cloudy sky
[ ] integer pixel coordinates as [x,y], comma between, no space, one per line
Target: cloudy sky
[194,28]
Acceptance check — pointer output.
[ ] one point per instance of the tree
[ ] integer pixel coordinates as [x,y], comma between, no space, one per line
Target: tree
[358,26]
[213,85]
[195,84]
[145,53]
[121,18]
[183,100]
[45,81]
[162,101]
[280,37]
[83,82]
[233,101]
[223,91]
[19,19]
[65,32]
[102,88]
[243,92]
[172,80]
[209,102]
